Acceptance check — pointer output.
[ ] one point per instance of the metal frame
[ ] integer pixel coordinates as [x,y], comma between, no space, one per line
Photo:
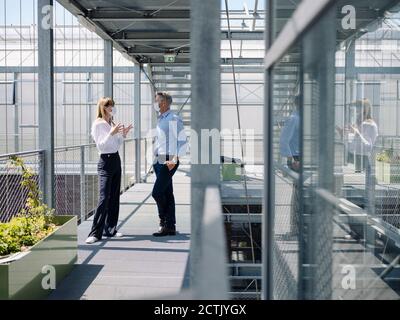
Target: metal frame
[306,13]
[137,124]
[46,101]
[205,100]
[211,279]
[108,68]
[268,200]
[304,16]
[82,14]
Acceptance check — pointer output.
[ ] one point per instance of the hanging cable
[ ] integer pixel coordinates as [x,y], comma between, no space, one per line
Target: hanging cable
[240,139]
[147,76]
[183,105]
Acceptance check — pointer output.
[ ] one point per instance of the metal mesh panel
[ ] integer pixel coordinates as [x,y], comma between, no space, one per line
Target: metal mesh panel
[91,179]
[67,166]
[127,163]
[12,195]
[286,244]
[144,149]
[386,175]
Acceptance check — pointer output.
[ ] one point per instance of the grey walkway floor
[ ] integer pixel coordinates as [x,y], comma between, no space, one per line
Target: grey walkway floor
[138,265]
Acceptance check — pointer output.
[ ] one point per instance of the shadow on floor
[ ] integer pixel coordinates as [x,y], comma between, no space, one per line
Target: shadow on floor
[131,237]
[134,249]
[174,239]
[85,273]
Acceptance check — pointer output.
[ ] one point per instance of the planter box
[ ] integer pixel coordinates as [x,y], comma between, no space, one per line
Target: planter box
[231,172]
[22,278]
[387,172]
[391,173]
[379,171]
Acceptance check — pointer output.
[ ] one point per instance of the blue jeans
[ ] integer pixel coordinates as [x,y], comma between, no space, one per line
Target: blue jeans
[163,194]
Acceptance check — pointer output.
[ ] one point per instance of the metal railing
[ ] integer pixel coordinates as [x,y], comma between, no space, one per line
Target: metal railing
[12,195]
[212,282]
[75,178]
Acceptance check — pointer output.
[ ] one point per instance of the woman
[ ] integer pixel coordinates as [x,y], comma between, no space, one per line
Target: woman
[364,133]
[362,137]
[108,137]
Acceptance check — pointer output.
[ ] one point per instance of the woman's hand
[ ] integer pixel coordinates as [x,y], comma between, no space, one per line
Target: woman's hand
[172,163]
[354,130]
[116,129]
[340,131]
[126,130]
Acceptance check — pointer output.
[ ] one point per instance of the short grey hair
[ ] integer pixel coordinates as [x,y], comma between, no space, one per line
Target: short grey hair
[165,96]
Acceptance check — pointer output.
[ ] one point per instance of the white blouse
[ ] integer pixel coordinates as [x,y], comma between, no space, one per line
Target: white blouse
[105,142]
[364,143]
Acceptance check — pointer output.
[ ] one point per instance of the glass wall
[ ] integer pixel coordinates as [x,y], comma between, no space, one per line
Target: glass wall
[78,84]
[78,78]
[335,101]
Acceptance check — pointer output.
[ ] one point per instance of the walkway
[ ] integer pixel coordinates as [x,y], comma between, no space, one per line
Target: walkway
[138,265]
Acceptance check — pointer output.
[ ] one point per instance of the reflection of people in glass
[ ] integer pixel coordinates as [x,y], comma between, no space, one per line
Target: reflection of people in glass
[290,148]
[289,140]
[361,135]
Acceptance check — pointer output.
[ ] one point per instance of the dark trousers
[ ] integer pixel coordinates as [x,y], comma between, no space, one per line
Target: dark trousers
[107,212]
[295,200]
[360,161]
[163,194]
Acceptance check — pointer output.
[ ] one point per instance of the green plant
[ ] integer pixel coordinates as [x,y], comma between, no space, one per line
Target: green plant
[33,223]
[388,156]
[34,205]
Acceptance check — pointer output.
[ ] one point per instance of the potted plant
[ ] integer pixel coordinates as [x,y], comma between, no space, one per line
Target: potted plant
[37,248]
[388,166]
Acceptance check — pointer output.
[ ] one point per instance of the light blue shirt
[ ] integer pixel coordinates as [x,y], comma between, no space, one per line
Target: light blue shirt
[171,138]
[290,136]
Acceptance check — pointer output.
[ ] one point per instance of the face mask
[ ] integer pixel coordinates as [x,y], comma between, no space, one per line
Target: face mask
[156,107]
[113,111]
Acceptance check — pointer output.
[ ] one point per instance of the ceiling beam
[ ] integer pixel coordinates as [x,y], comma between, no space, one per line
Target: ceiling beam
[146,15]
[136,36]
[150,51]
[81,13]
[159,60]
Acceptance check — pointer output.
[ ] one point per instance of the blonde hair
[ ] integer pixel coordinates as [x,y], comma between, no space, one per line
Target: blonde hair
[103,103]
[364,105]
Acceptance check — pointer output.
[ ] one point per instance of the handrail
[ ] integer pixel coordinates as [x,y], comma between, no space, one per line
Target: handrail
[60,148]
[64,148]
[212,280]
[92,144]
[22,153]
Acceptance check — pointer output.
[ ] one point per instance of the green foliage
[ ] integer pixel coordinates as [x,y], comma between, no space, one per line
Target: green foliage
[388,156]
[33,223]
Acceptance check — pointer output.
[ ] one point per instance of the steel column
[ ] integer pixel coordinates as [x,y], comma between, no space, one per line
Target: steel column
[83,184]
[206,113]
[46,96]
[108,68]
[137,122]
[268,197]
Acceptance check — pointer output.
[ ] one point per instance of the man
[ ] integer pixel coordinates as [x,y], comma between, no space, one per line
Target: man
[289,139]
[290,148]
[170,144]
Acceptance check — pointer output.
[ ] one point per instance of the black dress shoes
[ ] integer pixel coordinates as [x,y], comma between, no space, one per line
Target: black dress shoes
[164,231]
